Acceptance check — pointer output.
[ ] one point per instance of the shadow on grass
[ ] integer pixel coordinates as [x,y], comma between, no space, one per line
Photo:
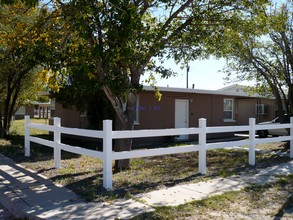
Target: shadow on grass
[287,208]
[165,172]
[89,188]
[61,176]
[14,148]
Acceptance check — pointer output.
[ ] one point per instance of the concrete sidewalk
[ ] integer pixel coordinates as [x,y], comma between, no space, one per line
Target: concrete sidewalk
[25,193]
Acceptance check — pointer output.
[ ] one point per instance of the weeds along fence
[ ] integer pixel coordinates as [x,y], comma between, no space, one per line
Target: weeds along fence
[107,135]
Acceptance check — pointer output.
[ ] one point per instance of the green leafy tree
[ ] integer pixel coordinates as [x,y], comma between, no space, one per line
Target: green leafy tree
[26,2]
[263,51]
[85,96]
[25,43]
[120,40]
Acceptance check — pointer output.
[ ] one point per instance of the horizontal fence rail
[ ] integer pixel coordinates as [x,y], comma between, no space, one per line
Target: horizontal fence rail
[42,142]
[82,132]
[108,135]
[273,126]
[223,129]
[154,152]
[154,133]
[82,151]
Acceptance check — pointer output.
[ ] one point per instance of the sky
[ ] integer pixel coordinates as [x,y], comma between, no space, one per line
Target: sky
[204,74]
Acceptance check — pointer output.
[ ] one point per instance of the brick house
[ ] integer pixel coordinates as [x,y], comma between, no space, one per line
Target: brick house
[181,107]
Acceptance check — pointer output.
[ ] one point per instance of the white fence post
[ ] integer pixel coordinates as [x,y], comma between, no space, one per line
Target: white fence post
[107,154]
[202,139]
[57,141]
[291,134]
[27,144]
[252,142]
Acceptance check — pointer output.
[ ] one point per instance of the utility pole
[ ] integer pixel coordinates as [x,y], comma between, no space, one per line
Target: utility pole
[187,71]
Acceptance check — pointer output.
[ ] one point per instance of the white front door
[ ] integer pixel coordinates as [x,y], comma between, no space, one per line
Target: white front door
[181,116]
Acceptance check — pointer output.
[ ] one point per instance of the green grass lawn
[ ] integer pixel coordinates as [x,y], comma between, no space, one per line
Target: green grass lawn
[17,128]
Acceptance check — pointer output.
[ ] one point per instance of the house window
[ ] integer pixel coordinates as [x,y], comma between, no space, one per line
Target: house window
[228,109]
[261,109]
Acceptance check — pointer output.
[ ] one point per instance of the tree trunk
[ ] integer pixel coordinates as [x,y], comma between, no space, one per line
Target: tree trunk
[9,106]
[5,127]
[279,101]
[290,98]
[1,124]
[122,145]
[125,114]
[126,124]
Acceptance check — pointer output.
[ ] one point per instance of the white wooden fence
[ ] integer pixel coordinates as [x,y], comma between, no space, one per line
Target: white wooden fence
[107,134]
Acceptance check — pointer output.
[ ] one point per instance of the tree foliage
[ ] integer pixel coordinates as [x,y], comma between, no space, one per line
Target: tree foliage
[25,42]
[120,40]
[85,96]
[30,3]
[263,52]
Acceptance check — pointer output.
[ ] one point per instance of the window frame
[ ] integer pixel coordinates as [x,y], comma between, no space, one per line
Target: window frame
[232,110]
[260,109]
